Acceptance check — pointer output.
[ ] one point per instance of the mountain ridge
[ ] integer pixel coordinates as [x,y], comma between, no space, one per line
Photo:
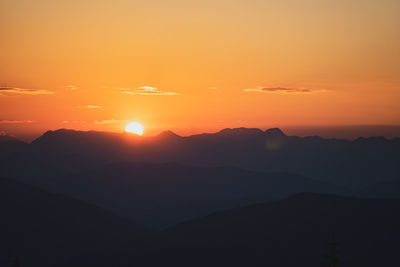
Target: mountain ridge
[348,161]
[295,231]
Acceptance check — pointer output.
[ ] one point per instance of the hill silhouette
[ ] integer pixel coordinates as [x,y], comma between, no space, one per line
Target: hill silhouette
[164,180]
[10,145]
[292,232]
[353,164]
[211,172]
[389,189]
[158,195]
[43,229]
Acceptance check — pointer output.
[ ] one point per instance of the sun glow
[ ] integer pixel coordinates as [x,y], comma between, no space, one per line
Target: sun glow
[134,127]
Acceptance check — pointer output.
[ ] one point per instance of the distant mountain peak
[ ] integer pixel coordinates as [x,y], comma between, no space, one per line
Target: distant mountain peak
[242,131]
[67,136]
[51,134]
[275,132]
[168,134]
[8,138]
[58,132]
[61,130]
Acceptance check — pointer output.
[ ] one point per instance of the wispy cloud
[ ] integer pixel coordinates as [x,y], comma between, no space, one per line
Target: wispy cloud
[145,90]
[15,121]
[24,91]
[91,106]
[108,121]
[72,87]
[282,90]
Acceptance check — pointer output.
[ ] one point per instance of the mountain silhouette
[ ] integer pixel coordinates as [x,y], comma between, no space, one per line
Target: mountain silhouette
[292,232]
[389,189]
[8,138]
[168,135]
[174,183]
[11,145]
[353,164]
[43,228]
[158,195]
[187,177]
[239,132]
[275,132]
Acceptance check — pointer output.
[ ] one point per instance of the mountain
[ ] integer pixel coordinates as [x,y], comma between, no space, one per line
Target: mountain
[90,166]
[211,172]
[297,231]
[43,228]
[168,135]
[389,189]
[354,164]
[10,144]
[158,195]
[96,145]
[8,138]
[275,132]
[161,181]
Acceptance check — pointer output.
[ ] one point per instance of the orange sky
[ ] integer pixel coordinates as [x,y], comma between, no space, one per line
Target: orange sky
[193,66]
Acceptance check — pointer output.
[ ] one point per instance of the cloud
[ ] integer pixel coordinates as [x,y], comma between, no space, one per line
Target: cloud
[93,106]
[24,91]
[72,87]
[282,90]
[145,90]
[15,121]
[108,121]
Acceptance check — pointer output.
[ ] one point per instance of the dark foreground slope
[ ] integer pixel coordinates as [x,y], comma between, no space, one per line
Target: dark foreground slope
[291,232]
[42,228]
[389,189]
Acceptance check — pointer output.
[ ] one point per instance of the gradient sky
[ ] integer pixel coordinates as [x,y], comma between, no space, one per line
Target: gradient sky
[195,66]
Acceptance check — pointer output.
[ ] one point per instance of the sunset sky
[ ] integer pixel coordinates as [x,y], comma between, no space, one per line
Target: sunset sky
[193,66]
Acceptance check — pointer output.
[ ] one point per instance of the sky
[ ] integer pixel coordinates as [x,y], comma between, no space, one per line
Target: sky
[197,66]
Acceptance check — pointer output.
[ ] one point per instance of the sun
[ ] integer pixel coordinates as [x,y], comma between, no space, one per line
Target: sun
[134,127]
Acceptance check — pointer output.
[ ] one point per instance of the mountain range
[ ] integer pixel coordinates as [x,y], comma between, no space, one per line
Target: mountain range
[238,197]
[301,230]
[353,164]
